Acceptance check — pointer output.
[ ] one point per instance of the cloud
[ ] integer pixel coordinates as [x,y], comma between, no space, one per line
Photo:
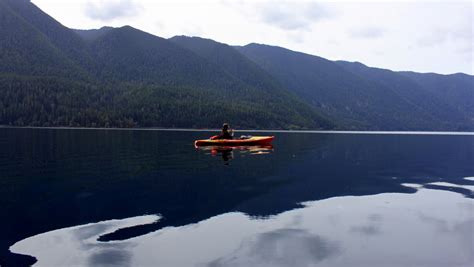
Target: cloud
[442,36]
[286,15]
[466,52]
[434,38]
[293,16]
[367,32]
[106,10]
[281,247]
[372,228]
[368,230]
[111,257]
[462,33]
[192,30]
[295,37]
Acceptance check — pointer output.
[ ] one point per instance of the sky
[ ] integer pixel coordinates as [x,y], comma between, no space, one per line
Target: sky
[422,36]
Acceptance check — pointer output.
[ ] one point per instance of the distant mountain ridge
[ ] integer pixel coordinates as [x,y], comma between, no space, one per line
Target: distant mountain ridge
[123,77]
[369,98]
[428,104]
[92,35]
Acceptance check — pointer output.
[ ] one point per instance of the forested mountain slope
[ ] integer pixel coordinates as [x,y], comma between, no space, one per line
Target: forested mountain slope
[358,96]
[25,50]
[429,100]
[123,77]
[233,63]
[455,89]
[51,75]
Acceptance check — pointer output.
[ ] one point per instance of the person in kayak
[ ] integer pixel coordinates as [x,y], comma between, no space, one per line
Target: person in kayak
[226,133]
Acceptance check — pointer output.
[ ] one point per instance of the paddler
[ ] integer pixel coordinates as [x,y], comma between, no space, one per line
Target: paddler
[226,132]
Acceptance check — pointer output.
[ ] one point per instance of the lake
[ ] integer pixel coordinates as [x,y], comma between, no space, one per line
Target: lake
[149,198]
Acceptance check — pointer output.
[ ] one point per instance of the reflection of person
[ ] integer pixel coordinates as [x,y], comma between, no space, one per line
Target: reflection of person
[227,154]
[226,132]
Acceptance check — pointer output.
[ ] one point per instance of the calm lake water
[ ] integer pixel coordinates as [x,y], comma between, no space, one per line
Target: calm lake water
[149,198]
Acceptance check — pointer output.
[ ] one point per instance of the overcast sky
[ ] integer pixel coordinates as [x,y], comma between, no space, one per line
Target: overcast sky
[423,36]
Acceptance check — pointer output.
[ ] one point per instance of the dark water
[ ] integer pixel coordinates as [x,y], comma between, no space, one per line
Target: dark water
[141,193]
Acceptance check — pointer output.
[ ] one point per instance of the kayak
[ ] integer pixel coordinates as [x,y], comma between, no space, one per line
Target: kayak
[252,141]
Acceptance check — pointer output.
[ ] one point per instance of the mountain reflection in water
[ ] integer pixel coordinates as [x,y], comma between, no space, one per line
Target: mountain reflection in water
[68,179]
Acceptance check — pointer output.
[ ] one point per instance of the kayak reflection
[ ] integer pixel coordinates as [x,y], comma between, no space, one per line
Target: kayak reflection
[228,152]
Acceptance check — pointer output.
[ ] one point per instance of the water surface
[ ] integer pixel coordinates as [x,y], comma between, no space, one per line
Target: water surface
[149,198]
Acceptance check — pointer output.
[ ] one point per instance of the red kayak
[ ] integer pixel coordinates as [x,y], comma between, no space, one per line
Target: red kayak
[252,141]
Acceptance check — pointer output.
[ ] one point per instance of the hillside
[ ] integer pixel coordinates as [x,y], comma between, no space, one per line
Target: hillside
[358,96]
[136,80]
[28,51]
[455,89]
[230,60]
[92,35]
[51,75]
[234,64]
[425,102]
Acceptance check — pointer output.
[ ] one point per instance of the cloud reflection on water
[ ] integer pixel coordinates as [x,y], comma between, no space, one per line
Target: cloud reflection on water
[428,228]
[78,246]
[281,247]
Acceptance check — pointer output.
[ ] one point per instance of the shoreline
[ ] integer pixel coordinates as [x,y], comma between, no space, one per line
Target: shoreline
[248,130]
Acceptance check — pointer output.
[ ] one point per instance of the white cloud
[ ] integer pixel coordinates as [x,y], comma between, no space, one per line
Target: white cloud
[291,16]
[286,15]
[433,38]
[463,34]
[367,32]
[106,10]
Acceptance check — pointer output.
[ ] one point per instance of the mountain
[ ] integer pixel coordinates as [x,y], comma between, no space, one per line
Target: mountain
[358,96]
[51,75]
[455,89]
[426,98]
[233,63]
[130,55]
[62,38]
[92,35]
[227,58]
[123,77]
[26,50]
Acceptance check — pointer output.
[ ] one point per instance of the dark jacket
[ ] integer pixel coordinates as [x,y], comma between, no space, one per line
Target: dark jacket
[225,134]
